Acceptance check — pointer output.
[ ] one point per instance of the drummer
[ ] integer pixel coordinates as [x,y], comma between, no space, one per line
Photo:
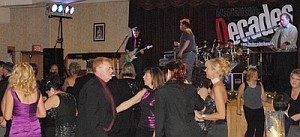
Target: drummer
[231,50]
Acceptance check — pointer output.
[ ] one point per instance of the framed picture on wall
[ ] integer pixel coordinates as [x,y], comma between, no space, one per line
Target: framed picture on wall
[99,31]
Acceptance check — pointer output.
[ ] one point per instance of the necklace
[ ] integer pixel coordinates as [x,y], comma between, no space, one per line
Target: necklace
[215,80]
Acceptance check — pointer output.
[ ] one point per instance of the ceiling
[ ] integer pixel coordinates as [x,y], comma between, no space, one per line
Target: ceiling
[41,3]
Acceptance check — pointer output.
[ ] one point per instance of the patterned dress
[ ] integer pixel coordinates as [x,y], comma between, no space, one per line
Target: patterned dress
[64,116]
[25,123]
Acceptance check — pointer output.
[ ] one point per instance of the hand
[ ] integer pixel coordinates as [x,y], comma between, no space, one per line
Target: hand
[179,54]
[176,43]
[239,112]
[44,98]
[283,46]
[3,123]
[295,117]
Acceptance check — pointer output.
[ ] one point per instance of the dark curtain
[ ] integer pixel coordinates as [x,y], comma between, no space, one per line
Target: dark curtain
[159,20]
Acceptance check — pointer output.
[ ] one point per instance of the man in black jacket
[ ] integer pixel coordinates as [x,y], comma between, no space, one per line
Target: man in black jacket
[96,107]
[79,82]
[7,68]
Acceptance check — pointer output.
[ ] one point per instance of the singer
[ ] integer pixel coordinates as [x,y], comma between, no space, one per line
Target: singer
[286,35]
[285,39]
[136,44]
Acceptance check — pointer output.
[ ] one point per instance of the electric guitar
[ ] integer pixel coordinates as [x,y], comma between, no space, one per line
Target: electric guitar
[135,52]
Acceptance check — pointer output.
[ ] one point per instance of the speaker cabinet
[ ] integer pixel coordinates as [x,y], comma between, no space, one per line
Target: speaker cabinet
[53,56]
[235,80]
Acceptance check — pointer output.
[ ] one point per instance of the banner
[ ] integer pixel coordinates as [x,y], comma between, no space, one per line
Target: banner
[249,24]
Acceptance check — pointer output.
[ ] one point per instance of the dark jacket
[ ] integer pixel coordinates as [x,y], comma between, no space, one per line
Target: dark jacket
[95,110]
[174,111]
[79,82]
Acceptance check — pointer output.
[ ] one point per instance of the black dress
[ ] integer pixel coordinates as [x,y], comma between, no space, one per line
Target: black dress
[126,121]
[64,116]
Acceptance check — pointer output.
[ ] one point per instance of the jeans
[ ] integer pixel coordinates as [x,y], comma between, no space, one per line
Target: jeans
[189,59]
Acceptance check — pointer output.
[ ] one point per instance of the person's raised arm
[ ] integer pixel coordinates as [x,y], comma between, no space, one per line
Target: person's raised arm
[130,102]
[41,110]
[51,102]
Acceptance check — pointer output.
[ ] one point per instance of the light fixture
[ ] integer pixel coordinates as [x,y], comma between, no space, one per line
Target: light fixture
[60,10]
[54,8]
[72,10]
[67,9]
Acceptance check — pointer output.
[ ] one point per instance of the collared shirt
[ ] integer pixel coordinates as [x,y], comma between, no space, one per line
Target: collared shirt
[289,34]
[103,83]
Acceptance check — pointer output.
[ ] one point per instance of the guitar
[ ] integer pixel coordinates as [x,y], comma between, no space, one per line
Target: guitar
[135,52]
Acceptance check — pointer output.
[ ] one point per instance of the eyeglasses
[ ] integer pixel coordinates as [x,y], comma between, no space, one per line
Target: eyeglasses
[107,68]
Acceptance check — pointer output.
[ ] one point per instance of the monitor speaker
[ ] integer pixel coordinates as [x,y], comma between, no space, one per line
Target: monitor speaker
[53,56]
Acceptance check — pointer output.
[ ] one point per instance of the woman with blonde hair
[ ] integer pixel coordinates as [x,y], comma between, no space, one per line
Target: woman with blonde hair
[214,115]
[22,102]
[253,94]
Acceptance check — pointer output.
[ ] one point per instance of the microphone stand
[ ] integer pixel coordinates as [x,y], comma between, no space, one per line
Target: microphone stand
[118,60]
[122,43]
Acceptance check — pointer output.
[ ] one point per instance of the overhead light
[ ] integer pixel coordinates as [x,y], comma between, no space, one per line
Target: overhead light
[60,10]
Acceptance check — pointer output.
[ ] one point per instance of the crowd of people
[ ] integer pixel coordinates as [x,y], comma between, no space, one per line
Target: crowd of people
[180,100]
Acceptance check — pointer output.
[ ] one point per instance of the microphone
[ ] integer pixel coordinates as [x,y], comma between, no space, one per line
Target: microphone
[278,25]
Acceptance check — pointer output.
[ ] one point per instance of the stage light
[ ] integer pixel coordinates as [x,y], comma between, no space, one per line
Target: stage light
[54,8]
[67,9]
[60,8]
[72,10]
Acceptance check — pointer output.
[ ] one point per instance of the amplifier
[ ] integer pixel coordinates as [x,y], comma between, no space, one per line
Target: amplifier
[165,61]
[235,80]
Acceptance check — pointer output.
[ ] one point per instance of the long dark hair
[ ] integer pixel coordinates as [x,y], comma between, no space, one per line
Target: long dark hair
[53,81]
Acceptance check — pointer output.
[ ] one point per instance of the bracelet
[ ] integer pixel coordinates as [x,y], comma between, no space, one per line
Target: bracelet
[203,116]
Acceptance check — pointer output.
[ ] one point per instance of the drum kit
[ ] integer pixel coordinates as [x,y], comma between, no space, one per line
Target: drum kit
[232,52]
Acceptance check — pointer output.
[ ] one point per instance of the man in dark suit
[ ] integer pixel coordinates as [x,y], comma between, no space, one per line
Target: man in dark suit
[96,108]
[79,82]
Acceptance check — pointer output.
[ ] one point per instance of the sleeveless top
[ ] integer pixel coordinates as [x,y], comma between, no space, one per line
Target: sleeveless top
[210,105]
[25,123]
[252,96]
[147,119]
[64,116]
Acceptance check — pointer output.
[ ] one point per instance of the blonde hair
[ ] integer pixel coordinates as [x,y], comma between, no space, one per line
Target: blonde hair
[186,20]
[251,72]
[295,72]
[221,65]
[23,77]
[100,60]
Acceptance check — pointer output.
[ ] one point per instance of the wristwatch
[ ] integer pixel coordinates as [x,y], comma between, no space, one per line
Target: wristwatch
[203,116]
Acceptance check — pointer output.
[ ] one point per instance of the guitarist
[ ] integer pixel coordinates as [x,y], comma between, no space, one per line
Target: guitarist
[136,42]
